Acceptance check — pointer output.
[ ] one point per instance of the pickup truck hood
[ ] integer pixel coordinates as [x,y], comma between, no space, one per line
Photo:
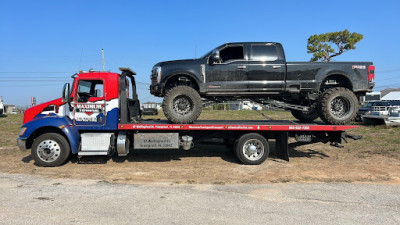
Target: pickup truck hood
[181,62]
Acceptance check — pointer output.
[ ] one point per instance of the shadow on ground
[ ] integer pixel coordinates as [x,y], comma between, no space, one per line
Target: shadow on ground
[163,155]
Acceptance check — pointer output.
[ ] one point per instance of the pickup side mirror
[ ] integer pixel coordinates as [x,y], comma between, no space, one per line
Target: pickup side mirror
[215,57]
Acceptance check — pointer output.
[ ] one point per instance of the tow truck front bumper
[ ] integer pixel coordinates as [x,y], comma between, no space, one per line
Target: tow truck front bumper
[21,144]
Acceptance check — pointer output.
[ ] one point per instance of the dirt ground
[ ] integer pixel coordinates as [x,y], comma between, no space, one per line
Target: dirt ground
[375,158]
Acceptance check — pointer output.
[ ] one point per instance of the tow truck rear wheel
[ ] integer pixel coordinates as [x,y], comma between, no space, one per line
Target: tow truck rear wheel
[50,149]
[182,104]
[252,149]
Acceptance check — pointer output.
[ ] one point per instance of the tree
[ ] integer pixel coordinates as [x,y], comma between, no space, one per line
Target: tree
[321,44]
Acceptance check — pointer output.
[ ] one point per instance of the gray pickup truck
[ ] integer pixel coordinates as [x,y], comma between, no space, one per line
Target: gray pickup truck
[258,71]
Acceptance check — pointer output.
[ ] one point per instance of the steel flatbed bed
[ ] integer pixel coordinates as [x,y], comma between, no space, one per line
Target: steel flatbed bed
[234,125]
[232,130]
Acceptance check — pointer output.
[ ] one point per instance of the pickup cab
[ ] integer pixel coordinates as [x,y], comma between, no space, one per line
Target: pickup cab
[258,71]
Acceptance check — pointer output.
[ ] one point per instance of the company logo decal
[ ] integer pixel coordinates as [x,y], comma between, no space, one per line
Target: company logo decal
[89,109]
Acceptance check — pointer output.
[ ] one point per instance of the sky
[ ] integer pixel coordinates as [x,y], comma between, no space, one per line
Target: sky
[43,43]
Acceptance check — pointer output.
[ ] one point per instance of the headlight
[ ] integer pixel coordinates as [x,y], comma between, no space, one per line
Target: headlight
[22,131]
[157,69]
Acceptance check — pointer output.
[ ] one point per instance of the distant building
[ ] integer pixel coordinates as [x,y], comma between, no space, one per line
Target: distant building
[388,90]
[10,109]
[394,95]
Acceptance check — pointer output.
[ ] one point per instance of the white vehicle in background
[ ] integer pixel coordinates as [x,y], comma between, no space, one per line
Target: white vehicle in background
[1,106]
[386,113]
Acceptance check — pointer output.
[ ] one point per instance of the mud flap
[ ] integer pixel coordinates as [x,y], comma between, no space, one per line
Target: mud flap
[282,148]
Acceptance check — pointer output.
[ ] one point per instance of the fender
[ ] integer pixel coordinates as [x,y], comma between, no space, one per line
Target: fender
[53,122]
[186,73]
[321,75]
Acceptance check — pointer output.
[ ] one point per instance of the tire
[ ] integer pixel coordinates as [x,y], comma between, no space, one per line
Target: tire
[182,104]
[259,147]
[305,117]
[50,149]
[338,106]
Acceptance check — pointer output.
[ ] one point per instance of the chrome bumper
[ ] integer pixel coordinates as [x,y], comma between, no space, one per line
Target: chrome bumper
[21,144]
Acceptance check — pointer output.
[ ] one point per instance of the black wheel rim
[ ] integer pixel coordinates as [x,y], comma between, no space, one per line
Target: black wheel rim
[182,105]
[340,107]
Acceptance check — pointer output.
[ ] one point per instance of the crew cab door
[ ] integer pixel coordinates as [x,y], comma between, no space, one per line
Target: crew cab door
[230,74]
[89,103]
[266,70]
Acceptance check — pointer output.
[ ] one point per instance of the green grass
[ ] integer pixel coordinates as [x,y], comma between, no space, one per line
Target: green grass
[10,126]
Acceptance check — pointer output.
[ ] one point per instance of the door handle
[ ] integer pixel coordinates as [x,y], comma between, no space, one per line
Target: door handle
[241,67]
[276,67]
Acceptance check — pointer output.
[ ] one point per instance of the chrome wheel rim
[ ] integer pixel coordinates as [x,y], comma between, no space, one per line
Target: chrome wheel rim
[182,105]
[340,107]
[253,149]
[48,150]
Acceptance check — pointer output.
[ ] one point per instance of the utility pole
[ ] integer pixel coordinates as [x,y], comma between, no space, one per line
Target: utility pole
[102,57]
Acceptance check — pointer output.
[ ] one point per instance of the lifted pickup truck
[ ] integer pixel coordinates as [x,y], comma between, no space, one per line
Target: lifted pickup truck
[258,71]
[99,114]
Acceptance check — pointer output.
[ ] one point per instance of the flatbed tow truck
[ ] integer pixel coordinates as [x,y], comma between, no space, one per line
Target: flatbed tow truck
[99,114]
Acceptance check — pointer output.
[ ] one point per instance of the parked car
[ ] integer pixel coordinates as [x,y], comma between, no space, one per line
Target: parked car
[150,111]
[364,109]
[258,71]
[383,112]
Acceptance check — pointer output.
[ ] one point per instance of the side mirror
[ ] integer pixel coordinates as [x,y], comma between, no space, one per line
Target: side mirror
[66,95]
[98,93]
[215,57]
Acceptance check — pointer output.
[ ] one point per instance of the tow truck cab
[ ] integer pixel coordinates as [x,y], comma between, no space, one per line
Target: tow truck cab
[94,102]
[99,114]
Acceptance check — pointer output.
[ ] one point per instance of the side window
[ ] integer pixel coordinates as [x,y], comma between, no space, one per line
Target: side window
[87,89]
[231,53]
[263,53]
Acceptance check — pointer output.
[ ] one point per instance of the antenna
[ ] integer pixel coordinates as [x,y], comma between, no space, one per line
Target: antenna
[195,51]
[102,58]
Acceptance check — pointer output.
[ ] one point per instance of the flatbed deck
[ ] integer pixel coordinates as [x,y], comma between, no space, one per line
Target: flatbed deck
[234,125]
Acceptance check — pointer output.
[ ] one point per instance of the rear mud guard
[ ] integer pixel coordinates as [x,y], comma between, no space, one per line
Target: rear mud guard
[282,147]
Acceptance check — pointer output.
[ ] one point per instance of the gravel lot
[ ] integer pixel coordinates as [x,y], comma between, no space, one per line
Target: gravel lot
[27,199]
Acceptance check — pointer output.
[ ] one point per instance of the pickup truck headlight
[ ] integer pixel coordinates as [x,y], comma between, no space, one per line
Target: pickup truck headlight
[157,70]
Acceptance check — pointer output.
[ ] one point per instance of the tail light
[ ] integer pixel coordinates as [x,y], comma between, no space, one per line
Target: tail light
[371,73]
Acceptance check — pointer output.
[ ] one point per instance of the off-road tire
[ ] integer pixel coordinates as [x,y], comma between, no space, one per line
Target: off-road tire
[188,94]
[305,117]
[252,139]
[326,106]
[63,149]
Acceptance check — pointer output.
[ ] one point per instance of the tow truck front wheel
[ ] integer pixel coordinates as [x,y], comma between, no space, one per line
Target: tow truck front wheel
[182,104]
[50,149]
[252,149]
